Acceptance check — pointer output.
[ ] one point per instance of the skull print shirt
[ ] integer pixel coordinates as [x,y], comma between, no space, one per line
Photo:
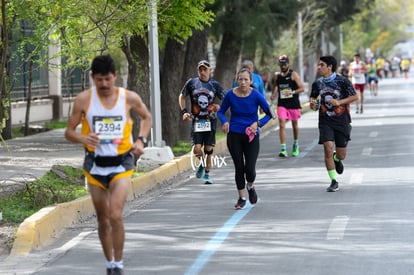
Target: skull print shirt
[202,95]
[337,88]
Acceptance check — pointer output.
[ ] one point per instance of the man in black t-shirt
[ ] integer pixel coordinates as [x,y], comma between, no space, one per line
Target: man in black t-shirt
[331,95]
[202,92]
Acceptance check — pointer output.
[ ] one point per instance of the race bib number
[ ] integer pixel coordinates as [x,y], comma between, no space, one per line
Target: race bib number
[110,128]
[202,125]
[286,93]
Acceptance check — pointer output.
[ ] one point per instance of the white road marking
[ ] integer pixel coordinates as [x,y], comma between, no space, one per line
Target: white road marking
[73,242]
[356,178]
[366,151]
[373,134]
[337,228]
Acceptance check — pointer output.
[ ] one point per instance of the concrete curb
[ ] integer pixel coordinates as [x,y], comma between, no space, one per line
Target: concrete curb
[39,229]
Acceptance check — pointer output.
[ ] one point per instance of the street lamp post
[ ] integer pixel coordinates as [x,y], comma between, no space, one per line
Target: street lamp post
[156,136]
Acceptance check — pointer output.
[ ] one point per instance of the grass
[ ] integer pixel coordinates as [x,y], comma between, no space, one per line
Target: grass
[18,131]
[182,148]
[62,185]
[54,124]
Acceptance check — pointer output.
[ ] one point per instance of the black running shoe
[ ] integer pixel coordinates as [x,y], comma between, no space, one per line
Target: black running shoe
[333,187]
[109,271]
[117,271]
[240,204]
[339,167]
[252,195]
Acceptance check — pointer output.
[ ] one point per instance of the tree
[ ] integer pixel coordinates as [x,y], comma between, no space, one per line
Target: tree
[242,27]
[380,28]
[325,16]
[5,28]
[108,27]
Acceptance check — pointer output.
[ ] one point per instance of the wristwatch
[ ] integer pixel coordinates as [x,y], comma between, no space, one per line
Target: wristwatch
[143,139]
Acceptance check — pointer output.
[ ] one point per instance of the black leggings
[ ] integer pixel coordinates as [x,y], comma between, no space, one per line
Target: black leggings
[244,155]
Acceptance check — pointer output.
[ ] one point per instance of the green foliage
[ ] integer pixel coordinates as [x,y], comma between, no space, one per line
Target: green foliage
[380,27]
[259,22]
[47,190]
[178,18]
[182,148]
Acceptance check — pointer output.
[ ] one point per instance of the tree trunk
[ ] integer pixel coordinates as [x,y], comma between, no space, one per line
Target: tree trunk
[136,52]
[29,99]
[5,110]
[227,59]
[171,83]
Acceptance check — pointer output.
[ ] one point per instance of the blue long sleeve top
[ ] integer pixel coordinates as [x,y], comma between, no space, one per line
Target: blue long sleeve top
[243,111]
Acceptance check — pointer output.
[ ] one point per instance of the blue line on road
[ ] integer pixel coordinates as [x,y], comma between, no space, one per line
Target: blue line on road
[308,148]
[213,245]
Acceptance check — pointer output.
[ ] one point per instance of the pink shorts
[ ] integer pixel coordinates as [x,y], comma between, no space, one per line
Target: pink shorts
[288,114]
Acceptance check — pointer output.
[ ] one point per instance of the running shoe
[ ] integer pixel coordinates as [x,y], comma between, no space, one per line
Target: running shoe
[109,271]
[207,179]
[283,153]
[117,271]
[240,204]
[339,167]
[295,150]
[252,195]
[200,172]
[333,187]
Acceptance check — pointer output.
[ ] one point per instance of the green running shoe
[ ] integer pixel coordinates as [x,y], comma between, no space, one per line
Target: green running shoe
[283,153]
[295,150]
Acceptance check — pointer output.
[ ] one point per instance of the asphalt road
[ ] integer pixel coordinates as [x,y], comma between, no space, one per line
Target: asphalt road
[296,228]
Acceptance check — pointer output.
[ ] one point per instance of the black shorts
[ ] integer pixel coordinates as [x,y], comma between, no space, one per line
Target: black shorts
[340,136]
[111,173]
[204,138]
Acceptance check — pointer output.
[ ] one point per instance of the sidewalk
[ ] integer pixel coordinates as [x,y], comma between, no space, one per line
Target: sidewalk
[25,159]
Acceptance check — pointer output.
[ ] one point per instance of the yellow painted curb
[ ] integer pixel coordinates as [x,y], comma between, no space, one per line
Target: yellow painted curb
[40,228]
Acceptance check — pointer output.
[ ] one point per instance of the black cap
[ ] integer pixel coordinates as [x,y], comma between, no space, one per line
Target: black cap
[204,63]
[283,59]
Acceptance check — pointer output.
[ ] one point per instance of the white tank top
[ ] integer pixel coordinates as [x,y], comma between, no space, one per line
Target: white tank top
[113,125]
[358,75]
